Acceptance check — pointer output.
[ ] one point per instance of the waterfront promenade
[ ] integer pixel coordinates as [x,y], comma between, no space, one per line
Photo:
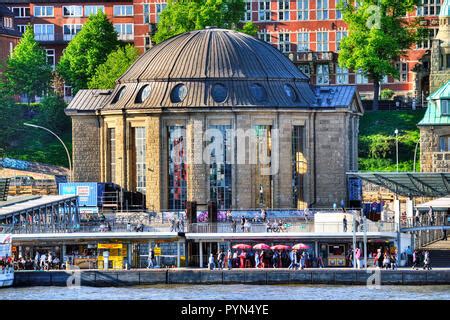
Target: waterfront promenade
[330,276]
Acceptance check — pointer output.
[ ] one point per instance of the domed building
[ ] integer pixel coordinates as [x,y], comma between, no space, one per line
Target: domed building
[217,115]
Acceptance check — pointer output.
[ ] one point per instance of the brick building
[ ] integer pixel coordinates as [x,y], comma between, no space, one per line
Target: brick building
[308,31]
[9,36]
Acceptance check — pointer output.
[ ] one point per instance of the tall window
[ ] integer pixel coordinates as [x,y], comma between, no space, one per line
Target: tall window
[220,168]
[263,154]
[283,10]
[44,32]
[339,36]
[177,168]
[302,9]
[322,41]
[146,12]
[264,11]
[43,11]
[248,10]
[361,78]
[159,8]
[73,11]
[112,154]
[429,8]
[70,30]
[140,158]
[445,107]
[303,42]
[123,10]
[21,12]
[284,42]
[338,12]
[323,74]
[299,167]
[341,75]
[444,144]
[403,71]
[264,36]
[51,57]
[322,10]
[125,31]
[93,10]
[426,43]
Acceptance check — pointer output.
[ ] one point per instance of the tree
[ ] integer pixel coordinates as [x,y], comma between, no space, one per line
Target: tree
[115,65]
[10,115]
[378,36]
[88,50]
[27,69]
[186,15]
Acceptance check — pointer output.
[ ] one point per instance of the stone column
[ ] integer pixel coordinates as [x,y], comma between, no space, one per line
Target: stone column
[201,253]
[197,170]
[154,189]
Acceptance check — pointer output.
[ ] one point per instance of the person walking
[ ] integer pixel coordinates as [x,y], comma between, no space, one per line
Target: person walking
[243,224]
[263,215]
[49,260]
[358,257]
[303,260]
[235,259]
[409,256]
[36,261]
[151,256]
[220,259]
[211,263]
[426,260]
[233,225]
[344,222]
[415,260]
[257,261]
[292,255]
[275,258]
[320,261]
[387,260]
[229,259]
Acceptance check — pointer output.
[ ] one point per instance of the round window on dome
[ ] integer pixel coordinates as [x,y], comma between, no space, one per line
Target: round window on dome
[119,94]
[143,94]
[179,92]
[258,92]
[219,93]
[290,92]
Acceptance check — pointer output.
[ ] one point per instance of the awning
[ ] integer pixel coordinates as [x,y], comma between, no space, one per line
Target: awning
[411,184]
[437,204]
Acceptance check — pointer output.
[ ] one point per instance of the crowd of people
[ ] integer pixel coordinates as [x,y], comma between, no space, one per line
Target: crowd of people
[176,225]
[292,259]
[6,263]
[43,262]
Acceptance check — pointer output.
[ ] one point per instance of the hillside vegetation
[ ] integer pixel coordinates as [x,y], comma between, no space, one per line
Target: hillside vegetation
[377,140]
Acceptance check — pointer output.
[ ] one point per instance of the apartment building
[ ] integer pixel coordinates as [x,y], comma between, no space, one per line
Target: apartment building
[307,31]
[9,37]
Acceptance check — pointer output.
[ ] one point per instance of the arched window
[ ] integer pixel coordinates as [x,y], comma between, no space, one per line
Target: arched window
[178,93]
[258,92]
[119,94]
[290,92]
[143,94]
[219,93]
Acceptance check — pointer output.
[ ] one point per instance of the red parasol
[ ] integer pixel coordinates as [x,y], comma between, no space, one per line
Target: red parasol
[242,246]
[261,246]
[280,247]
[301,246]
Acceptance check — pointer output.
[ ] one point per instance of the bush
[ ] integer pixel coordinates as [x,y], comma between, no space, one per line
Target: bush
[387,94]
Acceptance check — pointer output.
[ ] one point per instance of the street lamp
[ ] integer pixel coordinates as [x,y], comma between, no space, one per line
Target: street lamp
[396,145]
[60,140]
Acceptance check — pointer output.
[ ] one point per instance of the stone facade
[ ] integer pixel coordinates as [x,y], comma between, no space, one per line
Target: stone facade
[86,148]
[431,160]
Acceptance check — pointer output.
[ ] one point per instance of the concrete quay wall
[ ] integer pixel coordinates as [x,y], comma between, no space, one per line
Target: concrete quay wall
[99,278]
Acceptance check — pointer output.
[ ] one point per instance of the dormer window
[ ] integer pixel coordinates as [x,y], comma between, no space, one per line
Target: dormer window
[445,107]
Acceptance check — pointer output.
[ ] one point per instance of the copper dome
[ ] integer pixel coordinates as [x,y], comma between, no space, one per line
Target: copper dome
[212,68]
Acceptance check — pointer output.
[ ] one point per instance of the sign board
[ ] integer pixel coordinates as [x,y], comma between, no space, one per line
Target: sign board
[109,246]
[355,189]
[157,251]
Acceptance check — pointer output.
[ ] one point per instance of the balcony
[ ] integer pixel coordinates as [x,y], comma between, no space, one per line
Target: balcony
[126,37]
[44,37]
[309,56]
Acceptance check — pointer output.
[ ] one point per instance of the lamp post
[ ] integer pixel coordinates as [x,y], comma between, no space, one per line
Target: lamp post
[60,140]
[396,146]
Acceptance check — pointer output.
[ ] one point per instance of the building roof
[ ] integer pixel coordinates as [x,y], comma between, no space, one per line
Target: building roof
[88,100]
[420,184]
[5,12]
[433,114]
[437,204]
[220,68]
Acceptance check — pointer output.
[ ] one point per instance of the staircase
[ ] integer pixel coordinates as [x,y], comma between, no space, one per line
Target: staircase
[439,253]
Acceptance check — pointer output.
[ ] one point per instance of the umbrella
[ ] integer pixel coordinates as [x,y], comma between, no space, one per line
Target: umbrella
[301,246]
[280,247]
[261,246]
[242,246]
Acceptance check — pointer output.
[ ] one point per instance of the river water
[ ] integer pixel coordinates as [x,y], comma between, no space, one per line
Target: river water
[232,292]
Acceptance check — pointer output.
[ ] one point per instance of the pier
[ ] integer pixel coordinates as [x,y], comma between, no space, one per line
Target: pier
[96,278]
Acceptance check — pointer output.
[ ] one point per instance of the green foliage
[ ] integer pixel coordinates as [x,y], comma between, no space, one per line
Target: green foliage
[387,94]
[51,114]
[88,50]
[10,116]
[27,69]
[186,15]
[377,150]
[115,65]
[249,28]
[378,36]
